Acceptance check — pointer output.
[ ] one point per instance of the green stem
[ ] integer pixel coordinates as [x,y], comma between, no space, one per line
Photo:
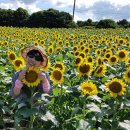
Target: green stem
[61,92]
[115,109]
[31,105]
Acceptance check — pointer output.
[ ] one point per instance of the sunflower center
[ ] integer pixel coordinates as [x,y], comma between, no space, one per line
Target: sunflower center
[82,47]
[77,60]
[121,54]
[31,76]
[76,53]
[121,41]
[86,50]
[12,56]
[84,68]
[57,75]
[50,50]
[75,48]
[88,89]
[107,55]
[99,70]
[89,59]
[98,52]
[18,62]
[128,74]
[115,87]
[113,59]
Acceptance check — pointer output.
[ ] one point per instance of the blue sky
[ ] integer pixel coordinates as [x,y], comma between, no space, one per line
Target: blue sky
[84,9]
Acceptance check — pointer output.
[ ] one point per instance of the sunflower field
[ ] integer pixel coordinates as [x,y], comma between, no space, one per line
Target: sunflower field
[89,72]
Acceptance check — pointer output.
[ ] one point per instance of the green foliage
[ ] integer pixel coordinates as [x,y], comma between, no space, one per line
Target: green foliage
[106,23]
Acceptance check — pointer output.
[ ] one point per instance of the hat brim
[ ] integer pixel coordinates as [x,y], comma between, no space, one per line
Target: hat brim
[40,49]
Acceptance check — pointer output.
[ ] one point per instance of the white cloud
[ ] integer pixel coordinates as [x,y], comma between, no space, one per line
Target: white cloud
[6,6]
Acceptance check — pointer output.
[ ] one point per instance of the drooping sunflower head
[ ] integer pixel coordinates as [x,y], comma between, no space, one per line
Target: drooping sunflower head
[116,87]
[127,76]
[100,71]
[31,77]
[57,76]
[88,88]
[122,55]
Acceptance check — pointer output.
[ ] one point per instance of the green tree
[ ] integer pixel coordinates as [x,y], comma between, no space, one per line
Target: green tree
[106,23]
[123,23]
[20,15]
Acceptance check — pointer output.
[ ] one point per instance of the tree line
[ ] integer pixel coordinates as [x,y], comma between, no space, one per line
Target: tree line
[52,18]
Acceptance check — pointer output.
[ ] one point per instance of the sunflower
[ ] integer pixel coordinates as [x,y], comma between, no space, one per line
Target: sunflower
[75,48]
[57,76]
[88,88]
[100,71]
[90,59]
[113,60]
[127,62]
[76,53]
[107,55]
[122,55]
[82,47]
[59,65]
[85,68]
[58,49]
[86,50]
[116,87]
[50,49]
[91,46]
[82,54]
[31,77]
[11,56]
[127,76]
[18,63]
[98,52]
[99,61]
[78,61]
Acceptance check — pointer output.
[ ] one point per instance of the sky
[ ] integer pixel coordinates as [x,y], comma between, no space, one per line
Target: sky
[84,9]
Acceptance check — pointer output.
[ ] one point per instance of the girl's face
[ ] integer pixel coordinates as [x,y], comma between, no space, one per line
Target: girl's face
[34,59]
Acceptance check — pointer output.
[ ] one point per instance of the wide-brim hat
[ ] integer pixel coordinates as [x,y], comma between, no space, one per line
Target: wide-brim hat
[40,49]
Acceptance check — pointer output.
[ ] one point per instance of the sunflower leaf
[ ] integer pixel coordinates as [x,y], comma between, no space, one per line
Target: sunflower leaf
[93,107]
[49,116]
[125,125]
[83,125]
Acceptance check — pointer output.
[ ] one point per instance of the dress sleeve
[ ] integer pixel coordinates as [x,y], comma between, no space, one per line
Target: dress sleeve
[50,87]
[14,78]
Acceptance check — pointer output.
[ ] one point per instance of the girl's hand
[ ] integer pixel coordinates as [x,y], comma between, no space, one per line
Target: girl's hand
[22,75]
[42,76]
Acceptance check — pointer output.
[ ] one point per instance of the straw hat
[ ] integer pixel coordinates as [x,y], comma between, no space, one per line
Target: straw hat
[40,49]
